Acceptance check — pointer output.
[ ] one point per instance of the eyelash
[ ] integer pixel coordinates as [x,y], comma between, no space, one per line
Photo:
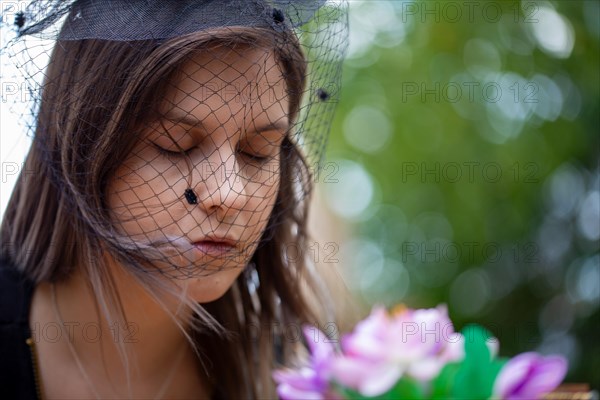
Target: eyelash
[172,154]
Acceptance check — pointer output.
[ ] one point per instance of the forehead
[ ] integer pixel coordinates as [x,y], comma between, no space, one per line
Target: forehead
[219,84]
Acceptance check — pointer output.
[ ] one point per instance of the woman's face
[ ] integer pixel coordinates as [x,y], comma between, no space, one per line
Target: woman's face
[229,112]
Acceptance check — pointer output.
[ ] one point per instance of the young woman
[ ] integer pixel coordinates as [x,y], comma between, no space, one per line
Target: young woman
[155,243]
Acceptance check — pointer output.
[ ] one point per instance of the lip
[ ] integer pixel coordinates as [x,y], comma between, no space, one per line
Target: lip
[215,246]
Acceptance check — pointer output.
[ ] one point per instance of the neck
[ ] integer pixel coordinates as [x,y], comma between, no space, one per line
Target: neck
[154,344]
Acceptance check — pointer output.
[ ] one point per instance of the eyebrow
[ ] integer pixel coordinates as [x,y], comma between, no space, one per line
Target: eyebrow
[196,123]
[183,119]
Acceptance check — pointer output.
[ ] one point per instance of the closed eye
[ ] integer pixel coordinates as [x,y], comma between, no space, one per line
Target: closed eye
[255,157]
[177,154]
[170,153]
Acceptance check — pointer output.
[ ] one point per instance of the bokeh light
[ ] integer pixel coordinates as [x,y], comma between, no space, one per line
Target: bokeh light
[468,150]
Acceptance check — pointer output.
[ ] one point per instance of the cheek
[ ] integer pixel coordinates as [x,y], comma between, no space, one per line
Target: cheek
[141,196]
[264,195]
[144,177]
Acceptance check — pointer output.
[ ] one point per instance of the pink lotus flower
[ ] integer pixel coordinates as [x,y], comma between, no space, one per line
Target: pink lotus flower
[384,347]
[311,382]
[529,376]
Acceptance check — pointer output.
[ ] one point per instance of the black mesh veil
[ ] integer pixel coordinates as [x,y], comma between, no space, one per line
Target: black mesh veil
[179,131]
[114,20]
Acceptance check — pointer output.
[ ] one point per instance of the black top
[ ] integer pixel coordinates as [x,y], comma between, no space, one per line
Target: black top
[17,373]
[17,379]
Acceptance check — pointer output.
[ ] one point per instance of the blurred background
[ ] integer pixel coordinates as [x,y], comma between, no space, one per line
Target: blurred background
[463,168]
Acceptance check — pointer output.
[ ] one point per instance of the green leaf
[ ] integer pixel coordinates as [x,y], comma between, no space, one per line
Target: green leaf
[405,389]
[475,377]
[442,386]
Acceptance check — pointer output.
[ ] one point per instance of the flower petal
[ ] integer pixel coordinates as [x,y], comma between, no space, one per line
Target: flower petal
[529,376]
[380,380]
[303,379]
[425,370]
[320,346]
[454,348]
[545,377]
[289,392]
[513,374]
[366,346]
[350,371]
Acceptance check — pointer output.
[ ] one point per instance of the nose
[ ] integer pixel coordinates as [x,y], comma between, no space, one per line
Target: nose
[219,187]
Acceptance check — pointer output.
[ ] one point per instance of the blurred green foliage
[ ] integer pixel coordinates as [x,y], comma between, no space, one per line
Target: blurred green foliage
[466,157]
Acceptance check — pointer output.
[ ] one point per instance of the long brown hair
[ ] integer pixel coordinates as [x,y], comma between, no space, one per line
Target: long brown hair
[48,231]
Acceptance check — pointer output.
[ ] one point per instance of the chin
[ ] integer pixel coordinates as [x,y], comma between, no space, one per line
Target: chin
[210,288]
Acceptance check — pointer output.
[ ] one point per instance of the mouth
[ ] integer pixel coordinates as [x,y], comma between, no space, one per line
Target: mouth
[214,247]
